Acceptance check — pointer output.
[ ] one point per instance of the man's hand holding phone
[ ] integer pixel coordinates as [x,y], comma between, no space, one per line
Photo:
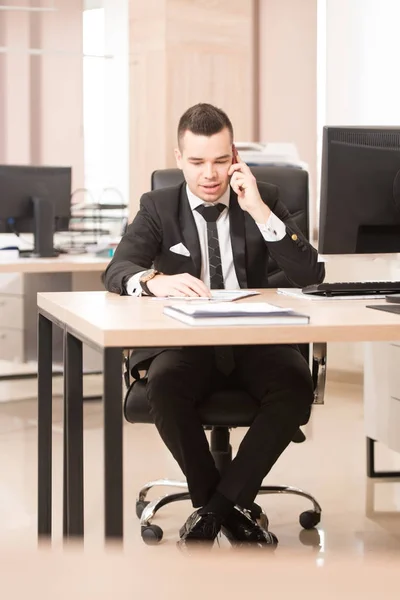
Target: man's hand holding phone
[244,184]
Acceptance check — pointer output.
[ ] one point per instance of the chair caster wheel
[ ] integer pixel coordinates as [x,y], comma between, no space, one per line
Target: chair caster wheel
[309,519]
[140,506]
[151,534]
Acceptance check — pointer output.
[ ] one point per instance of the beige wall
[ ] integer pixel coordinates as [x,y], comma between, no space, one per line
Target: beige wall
[184,52]
[41,109]
[288,76]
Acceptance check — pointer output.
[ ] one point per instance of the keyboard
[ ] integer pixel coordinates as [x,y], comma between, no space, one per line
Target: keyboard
[353,288]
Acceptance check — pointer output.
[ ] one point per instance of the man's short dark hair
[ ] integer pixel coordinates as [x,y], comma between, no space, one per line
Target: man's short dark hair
[203,119]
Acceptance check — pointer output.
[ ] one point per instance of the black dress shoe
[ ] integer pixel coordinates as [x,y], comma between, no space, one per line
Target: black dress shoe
[258,515]
[200,527]
[239,527]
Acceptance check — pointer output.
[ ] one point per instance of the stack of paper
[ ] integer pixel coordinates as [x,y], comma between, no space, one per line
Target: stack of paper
[216,296]
[243,313]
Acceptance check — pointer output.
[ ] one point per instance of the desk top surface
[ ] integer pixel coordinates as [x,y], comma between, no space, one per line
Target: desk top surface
[169,574]
[122,321]
[65,263]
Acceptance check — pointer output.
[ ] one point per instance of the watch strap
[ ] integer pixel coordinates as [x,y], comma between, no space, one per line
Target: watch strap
[145,288]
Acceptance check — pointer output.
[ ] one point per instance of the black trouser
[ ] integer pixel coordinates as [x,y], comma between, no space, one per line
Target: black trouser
[277,376]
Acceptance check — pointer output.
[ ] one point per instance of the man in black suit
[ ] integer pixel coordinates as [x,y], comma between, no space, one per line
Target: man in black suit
[217,230]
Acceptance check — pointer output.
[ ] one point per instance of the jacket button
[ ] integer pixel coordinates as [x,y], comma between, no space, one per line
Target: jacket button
[294,237]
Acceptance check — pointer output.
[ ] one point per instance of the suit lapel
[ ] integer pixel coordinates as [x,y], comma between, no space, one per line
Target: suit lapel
[238,239]
[189,231]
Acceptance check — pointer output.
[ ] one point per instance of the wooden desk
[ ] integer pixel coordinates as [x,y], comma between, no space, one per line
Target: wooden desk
[20,280]
[114,323]
[165,573]
[65,263]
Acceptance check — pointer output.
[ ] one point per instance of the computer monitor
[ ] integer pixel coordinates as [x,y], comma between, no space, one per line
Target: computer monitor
[360,190]
[35,200]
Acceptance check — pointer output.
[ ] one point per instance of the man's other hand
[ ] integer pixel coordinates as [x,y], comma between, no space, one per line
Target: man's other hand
[178,285]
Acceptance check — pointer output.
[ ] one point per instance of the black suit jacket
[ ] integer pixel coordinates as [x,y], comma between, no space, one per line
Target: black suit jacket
[165,219]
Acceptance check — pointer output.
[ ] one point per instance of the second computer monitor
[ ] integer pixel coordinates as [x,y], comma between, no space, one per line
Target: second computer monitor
[360,190]
[35,200]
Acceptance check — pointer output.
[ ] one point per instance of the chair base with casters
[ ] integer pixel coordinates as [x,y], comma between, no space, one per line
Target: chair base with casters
[220,412]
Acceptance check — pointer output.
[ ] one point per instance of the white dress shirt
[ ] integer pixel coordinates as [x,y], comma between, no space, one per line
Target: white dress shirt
[273,230]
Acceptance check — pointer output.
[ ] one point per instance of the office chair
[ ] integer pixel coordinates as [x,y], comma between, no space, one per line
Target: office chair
[225,410]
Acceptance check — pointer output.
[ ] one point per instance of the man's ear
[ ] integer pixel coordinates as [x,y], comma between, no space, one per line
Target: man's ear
[178,158]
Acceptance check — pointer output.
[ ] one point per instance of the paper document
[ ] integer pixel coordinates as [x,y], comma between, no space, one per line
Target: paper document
[243,313]
[242,309]
[216,295]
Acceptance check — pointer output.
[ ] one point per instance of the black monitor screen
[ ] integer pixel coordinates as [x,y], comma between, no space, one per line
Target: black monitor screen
[19,184]
[360,191]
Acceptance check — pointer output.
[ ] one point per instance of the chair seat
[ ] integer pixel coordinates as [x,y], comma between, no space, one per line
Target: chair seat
[231,408]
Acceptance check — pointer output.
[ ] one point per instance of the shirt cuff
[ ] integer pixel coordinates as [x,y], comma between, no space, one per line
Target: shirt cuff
[133,287]
[274,230]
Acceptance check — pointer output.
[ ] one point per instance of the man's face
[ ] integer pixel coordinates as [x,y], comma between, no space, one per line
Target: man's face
[205,162]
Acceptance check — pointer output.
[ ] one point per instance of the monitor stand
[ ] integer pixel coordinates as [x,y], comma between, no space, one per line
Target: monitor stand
[43,217]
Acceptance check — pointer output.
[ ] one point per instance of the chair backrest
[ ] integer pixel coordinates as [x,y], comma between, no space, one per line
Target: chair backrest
[293,188]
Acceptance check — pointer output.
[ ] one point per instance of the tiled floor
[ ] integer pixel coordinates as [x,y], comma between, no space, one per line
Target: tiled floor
[331,465]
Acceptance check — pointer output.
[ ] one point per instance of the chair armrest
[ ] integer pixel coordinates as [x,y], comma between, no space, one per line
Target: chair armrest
[319,371]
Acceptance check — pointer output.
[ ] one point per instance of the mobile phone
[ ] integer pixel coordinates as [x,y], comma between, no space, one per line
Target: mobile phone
[235,159]
[234,154]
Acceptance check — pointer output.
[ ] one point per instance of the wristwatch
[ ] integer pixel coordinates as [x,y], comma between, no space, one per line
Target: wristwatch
[147,276]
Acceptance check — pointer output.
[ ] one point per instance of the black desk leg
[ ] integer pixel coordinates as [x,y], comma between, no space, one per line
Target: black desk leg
[65,445]
[73,437]
[113,465]
[45,396]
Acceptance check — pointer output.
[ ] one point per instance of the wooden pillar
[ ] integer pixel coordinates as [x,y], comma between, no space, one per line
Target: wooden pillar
[41,86]
[183,52]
